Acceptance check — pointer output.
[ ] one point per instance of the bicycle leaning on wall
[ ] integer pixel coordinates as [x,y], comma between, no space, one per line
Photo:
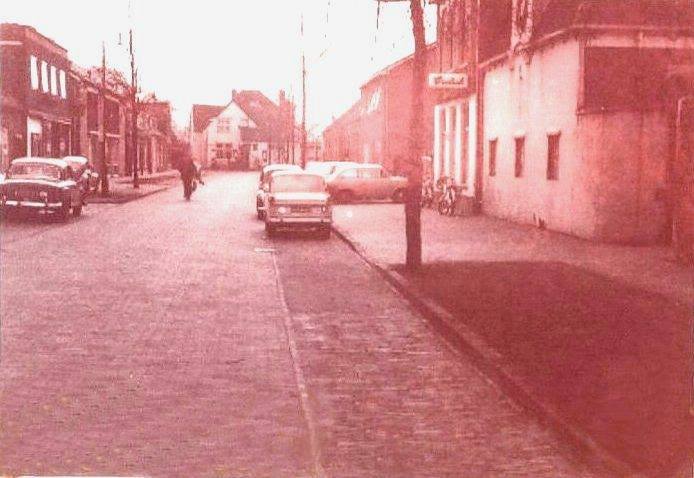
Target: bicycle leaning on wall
[449,198]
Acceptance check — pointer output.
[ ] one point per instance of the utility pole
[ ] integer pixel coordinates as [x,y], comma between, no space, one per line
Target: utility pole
[134,108]
[413,166]
[303,98]
[102,126]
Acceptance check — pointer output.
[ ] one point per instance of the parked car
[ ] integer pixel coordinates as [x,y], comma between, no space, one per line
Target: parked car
[298,200]
[44,185]
[326,168]
[84,173]
[265,174]
[365,181]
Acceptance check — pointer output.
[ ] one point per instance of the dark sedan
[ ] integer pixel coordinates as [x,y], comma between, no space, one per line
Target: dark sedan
[43,185]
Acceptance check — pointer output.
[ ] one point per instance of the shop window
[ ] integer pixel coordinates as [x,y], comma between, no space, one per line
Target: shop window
[34,70]
[553,157]
[44,77]
[520,156]
[62,84]
[492,156]
[54,80]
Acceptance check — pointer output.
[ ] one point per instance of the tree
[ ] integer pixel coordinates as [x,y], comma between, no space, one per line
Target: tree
[413,166]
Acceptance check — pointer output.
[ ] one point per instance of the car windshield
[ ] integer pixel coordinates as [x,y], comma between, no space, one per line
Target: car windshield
[47,171]
[292,183]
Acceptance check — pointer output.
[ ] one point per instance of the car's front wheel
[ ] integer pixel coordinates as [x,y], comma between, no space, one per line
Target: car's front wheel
[270,229]
[77,211]
[64,211]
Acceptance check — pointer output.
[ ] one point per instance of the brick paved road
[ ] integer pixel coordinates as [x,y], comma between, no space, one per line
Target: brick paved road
[161,337]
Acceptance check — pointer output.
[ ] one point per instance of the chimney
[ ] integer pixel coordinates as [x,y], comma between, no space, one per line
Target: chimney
[283,99]
[233,95]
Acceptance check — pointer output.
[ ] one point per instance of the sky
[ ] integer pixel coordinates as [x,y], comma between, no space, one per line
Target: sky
[198,51]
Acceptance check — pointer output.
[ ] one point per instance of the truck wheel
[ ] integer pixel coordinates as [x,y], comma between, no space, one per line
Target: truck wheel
[270,230]
[77,211]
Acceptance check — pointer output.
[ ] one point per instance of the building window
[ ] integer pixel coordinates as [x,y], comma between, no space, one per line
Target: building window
[63,85]
[520,156]
[44,76]
[553,157]
[34,69]
[54,80]
[492,157]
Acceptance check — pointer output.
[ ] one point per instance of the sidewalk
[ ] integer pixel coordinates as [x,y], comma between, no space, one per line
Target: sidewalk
[148,178]
[121,188]
[594,338]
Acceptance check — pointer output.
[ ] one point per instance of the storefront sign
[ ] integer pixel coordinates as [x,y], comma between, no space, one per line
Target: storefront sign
[448,80]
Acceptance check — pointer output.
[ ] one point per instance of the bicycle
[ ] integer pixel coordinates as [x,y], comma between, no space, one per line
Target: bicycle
[450,196]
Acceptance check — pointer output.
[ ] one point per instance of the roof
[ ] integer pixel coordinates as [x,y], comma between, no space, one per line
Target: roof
[202,114]
[401,62]
[280,167]
[250,134]
[264,113]
[8,30]
[298,172]
[54,161]
[558,14]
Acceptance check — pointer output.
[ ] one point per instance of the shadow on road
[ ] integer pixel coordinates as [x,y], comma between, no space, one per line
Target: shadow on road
[612,359]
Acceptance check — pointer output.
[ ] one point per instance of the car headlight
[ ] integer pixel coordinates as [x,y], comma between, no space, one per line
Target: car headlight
[282,210]
[43,195]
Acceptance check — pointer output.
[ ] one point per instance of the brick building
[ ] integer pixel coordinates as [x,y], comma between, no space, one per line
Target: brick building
[35,100]
[376,129]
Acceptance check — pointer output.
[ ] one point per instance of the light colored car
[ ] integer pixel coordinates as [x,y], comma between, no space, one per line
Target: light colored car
[365,181]
[86,177]
[298,200]
[43,185]
[265,174]
[326,168]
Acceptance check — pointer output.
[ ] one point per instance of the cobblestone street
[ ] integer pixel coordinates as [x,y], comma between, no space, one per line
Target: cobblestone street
[167,338]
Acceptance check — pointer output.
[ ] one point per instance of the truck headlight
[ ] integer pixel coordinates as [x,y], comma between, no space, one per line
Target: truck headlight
[282,210]
[43,195]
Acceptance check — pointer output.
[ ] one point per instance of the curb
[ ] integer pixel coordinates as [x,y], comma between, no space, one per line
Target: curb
[129,198]
[491,363]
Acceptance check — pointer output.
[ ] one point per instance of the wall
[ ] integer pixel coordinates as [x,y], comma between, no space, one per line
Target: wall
[612,164]
[534,97]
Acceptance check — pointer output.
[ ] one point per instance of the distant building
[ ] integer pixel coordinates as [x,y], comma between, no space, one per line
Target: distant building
[35,101]
[87,116]
[249,131]
[200,116]
[376,129]
[155,135]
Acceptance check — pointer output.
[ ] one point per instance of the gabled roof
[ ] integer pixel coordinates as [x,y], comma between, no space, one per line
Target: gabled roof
[264,113]
[202,114]
[251,135]
[431,48]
